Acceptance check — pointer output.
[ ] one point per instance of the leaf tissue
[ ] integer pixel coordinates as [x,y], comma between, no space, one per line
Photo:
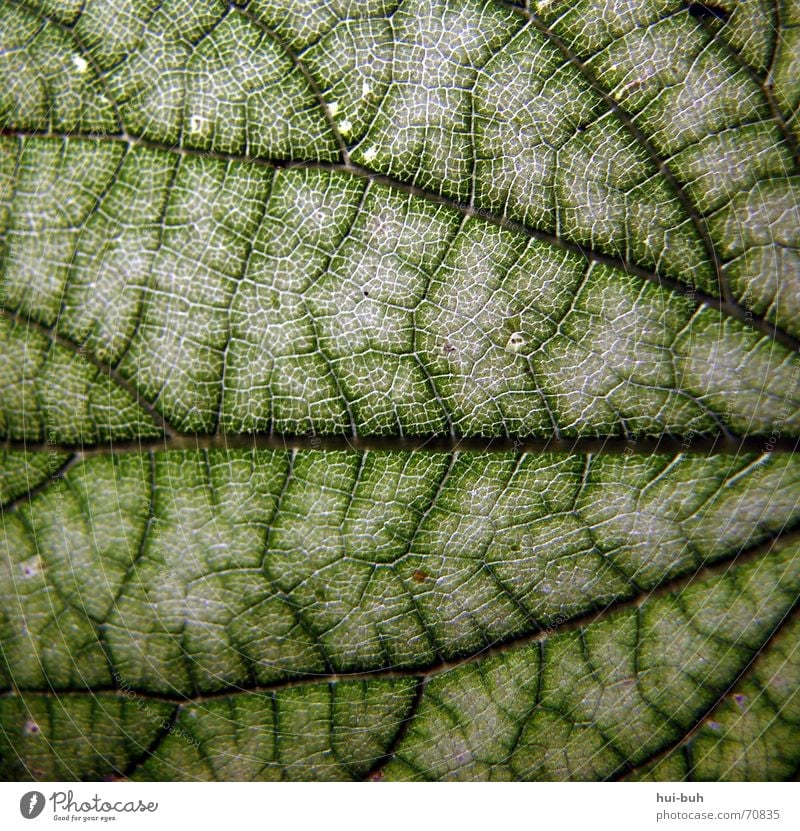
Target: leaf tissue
[402,389]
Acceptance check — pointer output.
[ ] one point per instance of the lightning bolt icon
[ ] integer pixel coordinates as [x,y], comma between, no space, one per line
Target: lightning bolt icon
[33,801]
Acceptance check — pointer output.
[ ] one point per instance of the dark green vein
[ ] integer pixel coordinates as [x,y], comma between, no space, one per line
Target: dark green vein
[375,773]
[764,84]
[725,306]
[165,728]
[627,120]
[685,738]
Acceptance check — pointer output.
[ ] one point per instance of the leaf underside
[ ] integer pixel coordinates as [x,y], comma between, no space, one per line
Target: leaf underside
[399,390]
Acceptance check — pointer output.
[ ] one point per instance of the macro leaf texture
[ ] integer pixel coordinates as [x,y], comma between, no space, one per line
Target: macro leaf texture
[400,389]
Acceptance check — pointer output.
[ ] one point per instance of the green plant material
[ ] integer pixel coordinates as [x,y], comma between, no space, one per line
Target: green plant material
[399,390]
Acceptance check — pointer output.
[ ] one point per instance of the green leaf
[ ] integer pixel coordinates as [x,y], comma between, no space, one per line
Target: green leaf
[401,390]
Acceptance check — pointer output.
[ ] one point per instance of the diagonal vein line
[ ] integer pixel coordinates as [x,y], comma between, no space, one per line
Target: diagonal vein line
[698,222]
[778,541]
[375,773]
[165,729]
[764,85]
[698,445]
[686,736]
[103,369]
[53,475]
[307,76]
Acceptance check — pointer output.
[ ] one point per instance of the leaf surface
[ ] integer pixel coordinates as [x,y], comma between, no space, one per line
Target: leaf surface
[399,390]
